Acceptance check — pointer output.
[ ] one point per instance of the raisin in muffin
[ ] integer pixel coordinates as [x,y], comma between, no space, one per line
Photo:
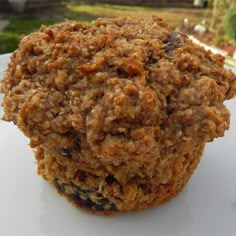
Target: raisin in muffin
[117,112]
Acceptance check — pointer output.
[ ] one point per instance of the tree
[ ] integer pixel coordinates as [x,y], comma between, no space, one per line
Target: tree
[233,3]
[214,15]
[218,11]
[230,23]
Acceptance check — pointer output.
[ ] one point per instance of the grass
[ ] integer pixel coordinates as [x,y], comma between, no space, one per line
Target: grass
[25,25]
[9,38]
[8,42]
[174,16]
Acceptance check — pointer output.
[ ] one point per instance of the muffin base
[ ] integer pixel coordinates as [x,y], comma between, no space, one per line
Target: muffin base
[164,192]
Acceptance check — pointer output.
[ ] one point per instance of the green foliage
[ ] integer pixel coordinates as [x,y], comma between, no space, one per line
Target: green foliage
[24,25]
[230,24]
[8,42]
[10,37]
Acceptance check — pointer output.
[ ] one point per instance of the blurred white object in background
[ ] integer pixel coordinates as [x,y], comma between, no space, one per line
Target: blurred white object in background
[200,29]
[185,21]
[200,3]
[234,55]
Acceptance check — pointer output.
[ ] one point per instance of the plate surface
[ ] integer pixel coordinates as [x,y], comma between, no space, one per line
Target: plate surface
[30,207]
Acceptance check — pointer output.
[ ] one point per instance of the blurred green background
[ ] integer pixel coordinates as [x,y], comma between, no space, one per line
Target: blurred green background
[204,19]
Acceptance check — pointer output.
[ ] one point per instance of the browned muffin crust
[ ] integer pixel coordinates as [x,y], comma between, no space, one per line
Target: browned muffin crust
[118,112]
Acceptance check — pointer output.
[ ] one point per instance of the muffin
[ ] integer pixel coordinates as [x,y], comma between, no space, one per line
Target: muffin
[117,112]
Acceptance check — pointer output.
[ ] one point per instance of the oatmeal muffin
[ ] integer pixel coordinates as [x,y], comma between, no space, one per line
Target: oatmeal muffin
[117,112]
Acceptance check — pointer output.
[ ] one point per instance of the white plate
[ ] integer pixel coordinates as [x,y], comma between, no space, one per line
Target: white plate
[30,207]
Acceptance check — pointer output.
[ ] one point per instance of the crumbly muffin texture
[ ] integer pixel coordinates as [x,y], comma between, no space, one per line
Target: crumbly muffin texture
[118,112]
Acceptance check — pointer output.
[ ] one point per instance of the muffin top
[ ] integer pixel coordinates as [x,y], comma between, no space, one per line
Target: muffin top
[125,87]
